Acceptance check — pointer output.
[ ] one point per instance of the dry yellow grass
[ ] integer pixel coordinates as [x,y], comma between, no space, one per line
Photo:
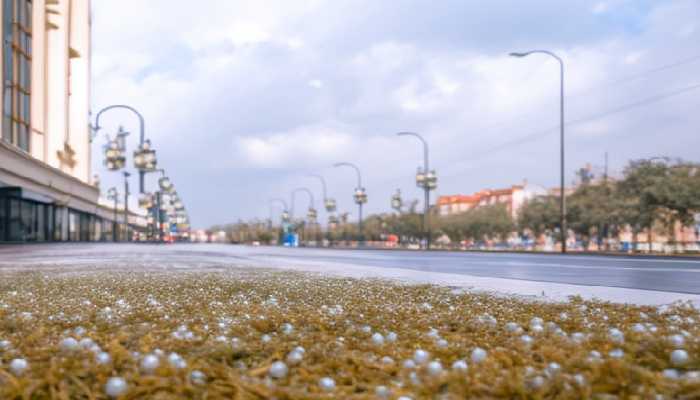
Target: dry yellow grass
[229,327]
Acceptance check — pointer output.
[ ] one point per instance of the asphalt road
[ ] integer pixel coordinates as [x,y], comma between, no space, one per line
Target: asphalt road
[660,274]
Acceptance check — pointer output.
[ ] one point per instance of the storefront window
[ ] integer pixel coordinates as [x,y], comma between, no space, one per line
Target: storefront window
[3,218]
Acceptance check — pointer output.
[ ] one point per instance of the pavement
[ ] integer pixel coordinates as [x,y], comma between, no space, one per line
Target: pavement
[653,280]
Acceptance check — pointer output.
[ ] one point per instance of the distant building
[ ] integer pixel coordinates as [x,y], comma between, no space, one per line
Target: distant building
[513,198]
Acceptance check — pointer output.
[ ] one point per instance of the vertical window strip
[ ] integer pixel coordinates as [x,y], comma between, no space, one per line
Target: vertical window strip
[16,127]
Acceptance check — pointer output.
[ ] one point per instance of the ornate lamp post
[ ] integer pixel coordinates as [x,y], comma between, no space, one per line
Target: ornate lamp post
[397,201]
[144,156]
[427,180]
[311,214]
[360,196]
[113,194]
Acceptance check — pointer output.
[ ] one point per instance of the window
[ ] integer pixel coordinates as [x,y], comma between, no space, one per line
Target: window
[17,61]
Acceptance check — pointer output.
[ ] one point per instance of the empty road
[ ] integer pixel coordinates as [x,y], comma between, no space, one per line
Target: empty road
[680,275]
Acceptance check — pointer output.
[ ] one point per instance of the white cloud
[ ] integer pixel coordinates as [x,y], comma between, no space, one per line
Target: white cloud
[225,89]
[311,146]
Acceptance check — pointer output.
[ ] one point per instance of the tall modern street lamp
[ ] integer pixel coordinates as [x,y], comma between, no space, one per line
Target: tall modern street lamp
[360,195]
[562,195]
[427,180]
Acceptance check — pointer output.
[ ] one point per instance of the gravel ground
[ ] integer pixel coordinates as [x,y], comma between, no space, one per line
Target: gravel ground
[164,332]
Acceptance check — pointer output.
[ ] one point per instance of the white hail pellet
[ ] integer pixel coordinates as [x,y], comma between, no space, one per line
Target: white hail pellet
[434,368]
[115,387]
[278,370]
[266,338]
[176,361]
[638,328]
[512,327]
[86,343]
[391,337]
[377,339]
[420,356]
[677,340]
[460,365]
[18,366]
[679,357]
[553,369]
[149,363]
[327,384]
[287,328]
[442,343]
[409,364]
[671,374]
[536,329]
[197,377]
[68,345]
[295,357]
[526,340]
[103,358]
[382,392]
[616,353]
[616,336]
[478,355]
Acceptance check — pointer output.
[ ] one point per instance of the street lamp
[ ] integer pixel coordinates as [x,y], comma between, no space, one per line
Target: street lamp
[311,214]
[360,196]
[328,203]
[396,201]
[562,195]
[113,194]
[427,180]
[126,204]
[285,209]
[144,156]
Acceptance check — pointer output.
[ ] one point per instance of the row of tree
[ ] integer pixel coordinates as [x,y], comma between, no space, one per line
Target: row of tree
[652,195]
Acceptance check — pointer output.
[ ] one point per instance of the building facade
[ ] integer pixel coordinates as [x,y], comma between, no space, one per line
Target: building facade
[513,198]
[46,188]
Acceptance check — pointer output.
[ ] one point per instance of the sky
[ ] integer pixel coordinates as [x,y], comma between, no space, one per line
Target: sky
[244,99]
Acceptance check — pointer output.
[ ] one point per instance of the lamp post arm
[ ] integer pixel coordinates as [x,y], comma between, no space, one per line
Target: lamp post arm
[425,147]
[357,170]
[323,185]
[281,201]
[307,191]
[142,124]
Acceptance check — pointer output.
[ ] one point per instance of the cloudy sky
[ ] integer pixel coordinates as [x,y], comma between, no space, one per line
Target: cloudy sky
[243,99]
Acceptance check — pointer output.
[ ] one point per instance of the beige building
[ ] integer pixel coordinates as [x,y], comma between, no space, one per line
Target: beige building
[46,192]
[513,198]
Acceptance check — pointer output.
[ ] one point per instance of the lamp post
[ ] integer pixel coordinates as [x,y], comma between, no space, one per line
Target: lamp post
[144,157]
[126,204]
[360,195]
[397,201]
[311,214]
[328,203]
[113,194]
[427,180]
[562,195]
